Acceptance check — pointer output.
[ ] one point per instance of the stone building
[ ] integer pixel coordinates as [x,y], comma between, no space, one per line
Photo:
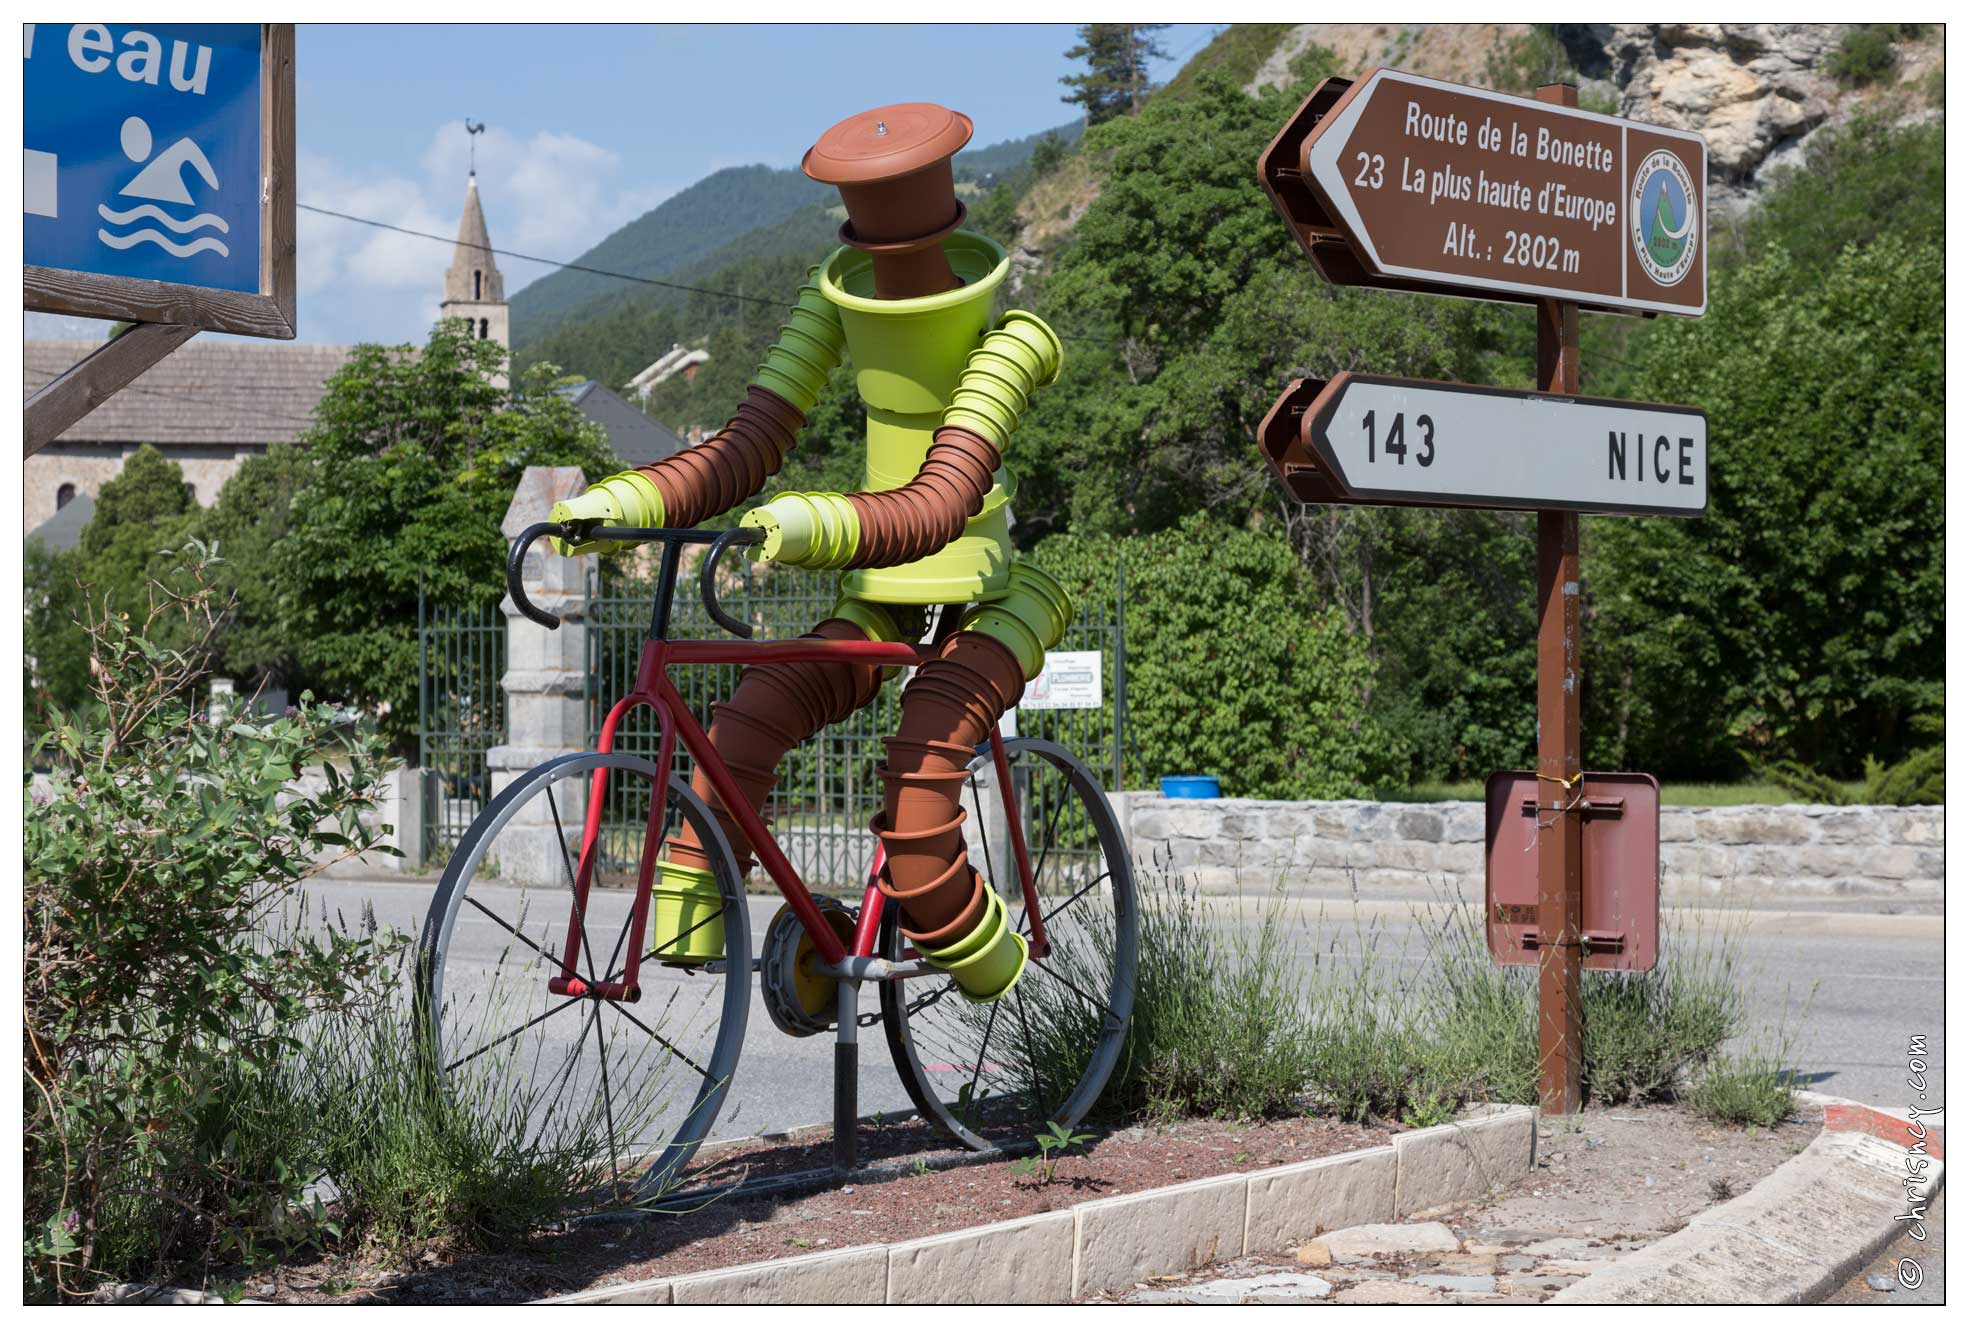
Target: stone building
[211,404]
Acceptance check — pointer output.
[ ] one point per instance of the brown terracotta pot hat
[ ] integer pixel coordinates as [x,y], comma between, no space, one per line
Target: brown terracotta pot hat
[892,166]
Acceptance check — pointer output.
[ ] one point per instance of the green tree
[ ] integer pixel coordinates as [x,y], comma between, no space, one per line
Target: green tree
[55,657]
[1117,77]
[1802,616]
[143,513]
[411,463]
[1235,668]
[246,526]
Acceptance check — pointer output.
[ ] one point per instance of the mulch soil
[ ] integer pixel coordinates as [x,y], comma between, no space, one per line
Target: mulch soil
[916,1188]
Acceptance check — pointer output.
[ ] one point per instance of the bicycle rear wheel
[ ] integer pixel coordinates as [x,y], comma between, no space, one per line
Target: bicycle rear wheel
[617,1092]
[998,1073]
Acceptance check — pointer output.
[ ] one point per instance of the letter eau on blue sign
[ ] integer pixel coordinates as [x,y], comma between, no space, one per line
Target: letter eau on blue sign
[143,151]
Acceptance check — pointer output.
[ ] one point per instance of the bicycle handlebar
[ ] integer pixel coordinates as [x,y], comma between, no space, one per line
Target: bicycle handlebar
[674,539]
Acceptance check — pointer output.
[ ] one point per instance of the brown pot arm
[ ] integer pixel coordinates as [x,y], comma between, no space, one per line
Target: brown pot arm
[730,466]
[736,462]
[902,525]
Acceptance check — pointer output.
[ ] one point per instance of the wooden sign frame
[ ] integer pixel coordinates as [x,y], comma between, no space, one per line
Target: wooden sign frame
[165,315]
[269,312]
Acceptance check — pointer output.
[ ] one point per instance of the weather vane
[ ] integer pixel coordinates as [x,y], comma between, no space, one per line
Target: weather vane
[472,132]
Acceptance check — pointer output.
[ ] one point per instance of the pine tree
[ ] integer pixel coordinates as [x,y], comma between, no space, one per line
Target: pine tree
[1117,77]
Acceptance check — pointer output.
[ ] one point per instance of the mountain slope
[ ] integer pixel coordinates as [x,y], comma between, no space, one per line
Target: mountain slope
[686,227]
[690,238]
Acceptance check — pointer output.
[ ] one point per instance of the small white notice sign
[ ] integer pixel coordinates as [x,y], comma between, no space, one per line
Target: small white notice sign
[1070,681]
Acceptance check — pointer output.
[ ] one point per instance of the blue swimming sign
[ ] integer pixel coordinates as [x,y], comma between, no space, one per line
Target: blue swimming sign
[143,153]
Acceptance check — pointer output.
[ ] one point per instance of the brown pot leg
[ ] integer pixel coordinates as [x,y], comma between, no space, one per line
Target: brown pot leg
[773,708]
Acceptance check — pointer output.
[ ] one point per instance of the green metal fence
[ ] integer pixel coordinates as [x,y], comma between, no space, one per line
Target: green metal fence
[828,789]
[461,657]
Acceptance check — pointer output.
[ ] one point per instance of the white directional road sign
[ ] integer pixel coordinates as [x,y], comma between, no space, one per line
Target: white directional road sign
[1412,441]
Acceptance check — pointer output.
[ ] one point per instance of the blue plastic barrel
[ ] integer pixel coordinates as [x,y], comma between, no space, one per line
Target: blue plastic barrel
[1191,786]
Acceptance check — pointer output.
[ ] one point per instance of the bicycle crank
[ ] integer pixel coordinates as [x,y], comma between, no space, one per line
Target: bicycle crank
[799,999]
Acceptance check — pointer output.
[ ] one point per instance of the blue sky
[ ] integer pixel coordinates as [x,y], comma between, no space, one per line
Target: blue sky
[591,126]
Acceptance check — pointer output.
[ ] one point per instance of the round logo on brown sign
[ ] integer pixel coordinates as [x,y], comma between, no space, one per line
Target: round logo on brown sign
[1661,203]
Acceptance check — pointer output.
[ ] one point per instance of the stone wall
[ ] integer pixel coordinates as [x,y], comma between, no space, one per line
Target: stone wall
[1792,856]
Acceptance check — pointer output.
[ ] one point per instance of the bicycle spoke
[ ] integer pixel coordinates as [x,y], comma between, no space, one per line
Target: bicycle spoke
[977,806]
[580,904]
[984,1049]
[507,1038]
[1054,913]
[1039,873]
[623,1011]
[651,953]
[555,1099]
[608,1100]
[554,960]
[1032,1062]
[1075,988]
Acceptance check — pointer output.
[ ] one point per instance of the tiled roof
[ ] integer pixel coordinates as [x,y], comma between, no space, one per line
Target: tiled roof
[219,392]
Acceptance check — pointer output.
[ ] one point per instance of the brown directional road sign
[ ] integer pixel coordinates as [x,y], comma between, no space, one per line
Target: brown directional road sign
[1409,183]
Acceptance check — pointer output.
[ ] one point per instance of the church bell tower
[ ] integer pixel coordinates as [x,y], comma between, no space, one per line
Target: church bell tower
[474,290]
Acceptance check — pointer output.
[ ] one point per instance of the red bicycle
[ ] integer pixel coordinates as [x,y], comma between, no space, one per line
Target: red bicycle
[535,983]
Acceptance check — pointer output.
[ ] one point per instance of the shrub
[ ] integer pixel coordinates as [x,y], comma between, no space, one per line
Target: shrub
[1221,1023]
[1645,1033]
[1864,55]
[1234,667]
[157,1007]
[1752,1089]
[464,1164]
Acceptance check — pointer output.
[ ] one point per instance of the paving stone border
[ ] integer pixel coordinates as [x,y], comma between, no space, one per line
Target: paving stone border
[1803,855]
[1122,1240]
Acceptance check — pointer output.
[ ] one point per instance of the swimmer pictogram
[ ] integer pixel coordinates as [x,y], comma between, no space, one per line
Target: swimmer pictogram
[162,181]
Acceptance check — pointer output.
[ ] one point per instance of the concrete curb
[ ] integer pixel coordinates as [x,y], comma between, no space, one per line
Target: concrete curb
[1102,1244]
[1796,1235]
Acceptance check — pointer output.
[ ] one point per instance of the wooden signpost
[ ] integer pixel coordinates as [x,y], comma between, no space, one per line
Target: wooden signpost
[1411,184]
[158,189]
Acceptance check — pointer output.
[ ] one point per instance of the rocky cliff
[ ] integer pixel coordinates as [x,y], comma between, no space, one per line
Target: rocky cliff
[1756,91]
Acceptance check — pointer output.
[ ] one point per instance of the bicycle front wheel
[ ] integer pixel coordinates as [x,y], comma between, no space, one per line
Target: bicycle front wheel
[617,1091]
[997,1073]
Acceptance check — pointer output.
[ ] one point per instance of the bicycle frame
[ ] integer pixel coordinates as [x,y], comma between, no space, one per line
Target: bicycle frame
[653,688]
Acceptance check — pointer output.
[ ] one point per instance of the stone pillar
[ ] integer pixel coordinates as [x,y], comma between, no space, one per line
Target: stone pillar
[545,669]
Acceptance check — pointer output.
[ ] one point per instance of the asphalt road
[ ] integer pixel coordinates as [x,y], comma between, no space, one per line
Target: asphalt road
[1846,990]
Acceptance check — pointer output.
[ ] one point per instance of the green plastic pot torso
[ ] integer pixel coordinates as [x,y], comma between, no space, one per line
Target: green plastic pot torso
[908,357]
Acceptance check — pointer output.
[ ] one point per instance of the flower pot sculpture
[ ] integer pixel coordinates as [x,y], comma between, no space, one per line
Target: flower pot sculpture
[907,298]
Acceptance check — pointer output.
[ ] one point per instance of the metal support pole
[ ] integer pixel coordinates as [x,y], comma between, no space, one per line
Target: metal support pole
[1561,788]
[846,1073]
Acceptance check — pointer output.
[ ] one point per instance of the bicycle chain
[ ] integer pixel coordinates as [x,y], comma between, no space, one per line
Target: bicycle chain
[920,1004]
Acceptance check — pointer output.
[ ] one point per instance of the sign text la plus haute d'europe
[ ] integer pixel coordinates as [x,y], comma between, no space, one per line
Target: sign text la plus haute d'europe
[1502,136]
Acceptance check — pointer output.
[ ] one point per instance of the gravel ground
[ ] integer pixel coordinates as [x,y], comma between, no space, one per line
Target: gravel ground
[1609,1182]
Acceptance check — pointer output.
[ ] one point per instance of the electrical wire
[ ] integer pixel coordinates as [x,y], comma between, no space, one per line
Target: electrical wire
[597,272]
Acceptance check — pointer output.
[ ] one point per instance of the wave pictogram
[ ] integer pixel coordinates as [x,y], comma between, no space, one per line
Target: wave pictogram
[211,219]
[151,235]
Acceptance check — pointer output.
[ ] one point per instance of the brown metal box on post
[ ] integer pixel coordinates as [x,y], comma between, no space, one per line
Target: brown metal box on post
[1621,849]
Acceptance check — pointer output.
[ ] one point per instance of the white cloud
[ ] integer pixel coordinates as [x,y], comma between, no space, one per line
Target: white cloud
[547,193]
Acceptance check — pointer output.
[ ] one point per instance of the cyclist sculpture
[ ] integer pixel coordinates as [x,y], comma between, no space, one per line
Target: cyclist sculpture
[908,298]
